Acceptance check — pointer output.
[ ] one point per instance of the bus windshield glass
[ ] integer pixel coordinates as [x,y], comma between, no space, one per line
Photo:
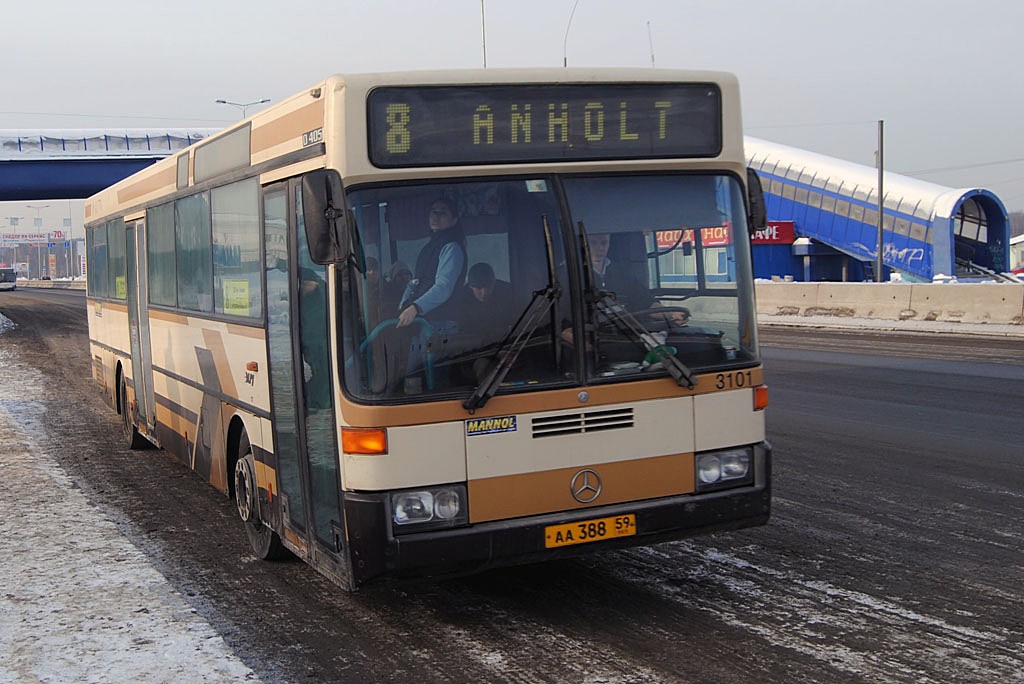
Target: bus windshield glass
[541,282]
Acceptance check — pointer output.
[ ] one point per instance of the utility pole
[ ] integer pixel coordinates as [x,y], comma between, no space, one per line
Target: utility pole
[565,41]
[879,265]
[483,31]
[650,42]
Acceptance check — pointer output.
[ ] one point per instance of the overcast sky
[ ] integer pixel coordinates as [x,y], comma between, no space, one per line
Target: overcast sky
[945,76]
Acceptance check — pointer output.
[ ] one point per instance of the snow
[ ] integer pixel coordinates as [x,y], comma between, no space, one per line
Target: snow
[78,601]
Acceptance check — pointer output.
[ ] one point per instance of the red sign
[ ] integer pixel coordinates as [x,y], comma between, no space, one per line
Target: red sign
[716,236]
[775,233]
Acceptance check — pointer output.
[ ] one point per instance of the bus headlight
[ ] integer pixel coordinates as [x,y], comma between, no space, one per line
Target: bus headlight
[412,507]
[431,508]
[720,469]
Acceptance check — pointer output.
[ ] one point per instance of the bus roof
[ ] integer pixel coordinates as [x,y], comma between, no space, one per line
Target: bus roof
[286,133]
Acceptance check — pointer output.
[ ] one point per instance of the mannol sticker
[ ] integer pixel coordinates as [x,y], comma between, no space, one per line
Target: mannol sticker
[488,426]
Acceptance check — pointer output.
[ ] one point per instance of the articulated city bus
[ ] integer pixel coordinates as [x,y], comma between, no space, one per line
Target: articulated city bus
[429,323]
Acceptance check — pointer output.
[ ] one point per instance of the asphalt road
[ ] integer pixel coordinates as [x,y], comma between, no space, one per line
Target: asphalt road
[895,552]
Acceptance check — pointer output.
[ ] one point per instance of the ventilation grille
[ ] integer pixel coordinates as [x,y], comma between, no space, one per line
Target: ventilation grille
[579,423]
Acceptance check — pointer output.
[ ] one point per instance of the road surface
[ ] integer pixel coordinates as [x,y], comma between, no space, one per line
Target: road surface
[894,553]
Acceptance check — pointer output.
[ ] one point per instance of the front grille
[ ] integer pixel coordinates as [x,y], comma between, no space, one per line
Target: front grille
[579,423]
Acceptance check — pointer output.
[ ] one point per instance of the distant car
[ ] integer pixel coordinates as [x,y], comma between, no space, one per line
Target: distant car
[45,278]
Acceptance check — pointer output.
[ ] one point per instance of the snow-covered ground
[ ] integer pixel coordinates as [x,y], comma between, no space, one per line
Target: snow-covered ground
[78,601]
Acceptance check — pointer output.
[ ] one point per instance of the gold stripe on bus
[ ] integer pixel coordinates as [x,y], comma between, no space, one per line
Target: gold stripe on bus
[513,496]
[168,316]
[288,127]
[215,343]
[104,305]
[173,421]
[359,415]
[293,170]
[250,331]
[266,477]
[165,179]
[294,538]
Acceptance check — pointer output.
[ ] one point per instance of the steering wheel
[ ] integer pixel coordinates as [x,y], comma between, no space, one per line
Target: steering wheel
[661,317]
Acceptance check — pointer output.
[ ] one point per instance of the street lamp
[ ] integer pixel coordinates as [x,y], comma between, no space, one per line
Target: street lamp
[37,223]
[244,106]
[12,256]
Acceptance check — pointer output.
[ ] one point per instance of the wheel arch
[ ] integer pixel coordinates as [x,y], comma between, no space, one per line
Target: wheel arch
[235,433]
[118,379]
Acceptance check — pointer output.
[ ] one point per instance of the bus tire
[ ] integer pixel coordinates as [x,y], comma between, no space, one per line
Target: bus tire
[132,438]
[265,542]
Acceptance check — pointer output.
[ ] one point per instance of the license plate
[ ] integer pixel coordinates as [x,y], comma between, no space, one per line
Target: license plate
[589,530]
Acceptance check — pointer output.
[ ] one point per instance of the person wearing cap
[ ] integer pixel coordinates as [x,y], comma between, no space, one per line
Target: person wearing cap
[487,306]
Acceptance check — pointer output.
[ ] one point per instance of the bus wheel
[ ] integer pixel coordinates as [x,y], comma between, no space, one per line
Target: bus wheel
[132,438]
[266,543]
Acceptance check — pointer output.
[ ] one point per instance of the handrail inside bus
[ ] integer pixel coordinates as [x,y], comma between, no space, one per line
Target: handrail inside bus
[426,328]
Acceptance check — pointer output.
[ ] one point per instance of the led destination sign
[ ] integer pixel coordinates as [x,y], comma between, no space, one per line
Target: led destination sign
[495,124]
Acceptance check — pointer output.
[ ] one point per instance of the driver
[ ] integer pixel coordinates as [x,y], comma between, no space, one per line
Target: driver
[620,282]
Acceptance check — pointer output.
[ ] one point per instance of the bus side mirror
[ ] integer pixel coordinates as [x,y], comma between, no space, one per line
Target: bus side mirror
[758,219]
[323,212]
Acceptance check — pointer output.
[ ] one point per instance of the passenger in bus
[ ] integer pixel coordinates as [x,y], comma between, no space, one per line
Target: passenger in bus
[488,306]
[373,275]
[487,312]
[610,277]
[372,293]
[440,268]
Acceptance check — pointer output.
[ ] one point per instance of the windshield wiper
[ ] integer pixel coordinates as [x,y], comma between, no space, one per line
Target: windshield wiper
[514,343]
[604,303]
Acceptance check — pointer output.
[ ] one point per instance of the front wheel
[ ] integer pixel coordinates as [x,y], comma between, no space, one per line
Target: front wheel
[265,543]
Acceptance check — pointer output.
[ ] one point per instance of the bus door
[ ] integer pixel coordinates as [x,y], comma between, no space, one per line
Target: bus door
[301,387]
[138,324]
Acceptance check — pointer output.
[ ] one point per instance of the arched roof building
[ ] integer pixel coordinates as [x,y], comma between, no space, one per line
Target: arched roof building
[929,229]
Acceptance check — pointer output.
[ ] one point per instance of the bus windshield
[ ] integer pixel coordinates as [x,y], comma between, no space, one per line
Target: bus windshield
[544,281]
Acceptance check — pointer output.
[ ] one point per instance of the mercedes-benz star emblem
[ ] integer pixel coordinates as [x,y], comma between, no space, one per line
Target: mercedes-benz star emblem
[585,486]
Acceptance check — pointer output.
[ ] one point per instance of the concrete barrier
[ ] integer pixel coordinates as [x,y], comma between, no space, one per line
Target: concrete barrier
[863,300]
[994,303]
[969,303]
[786,299]
[53,284]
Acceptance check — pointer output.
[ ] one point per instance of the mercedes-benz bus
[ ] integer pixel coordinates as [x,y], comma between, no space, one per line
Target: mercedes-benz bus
[572,367]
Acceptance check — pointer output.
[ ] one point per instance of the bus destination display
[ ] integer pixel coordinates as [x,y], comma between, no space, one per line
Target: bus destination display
[498,124]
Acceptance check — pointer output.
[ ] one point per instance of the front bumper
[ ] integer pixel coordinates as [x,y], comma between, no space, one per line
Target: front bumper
[375,551]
